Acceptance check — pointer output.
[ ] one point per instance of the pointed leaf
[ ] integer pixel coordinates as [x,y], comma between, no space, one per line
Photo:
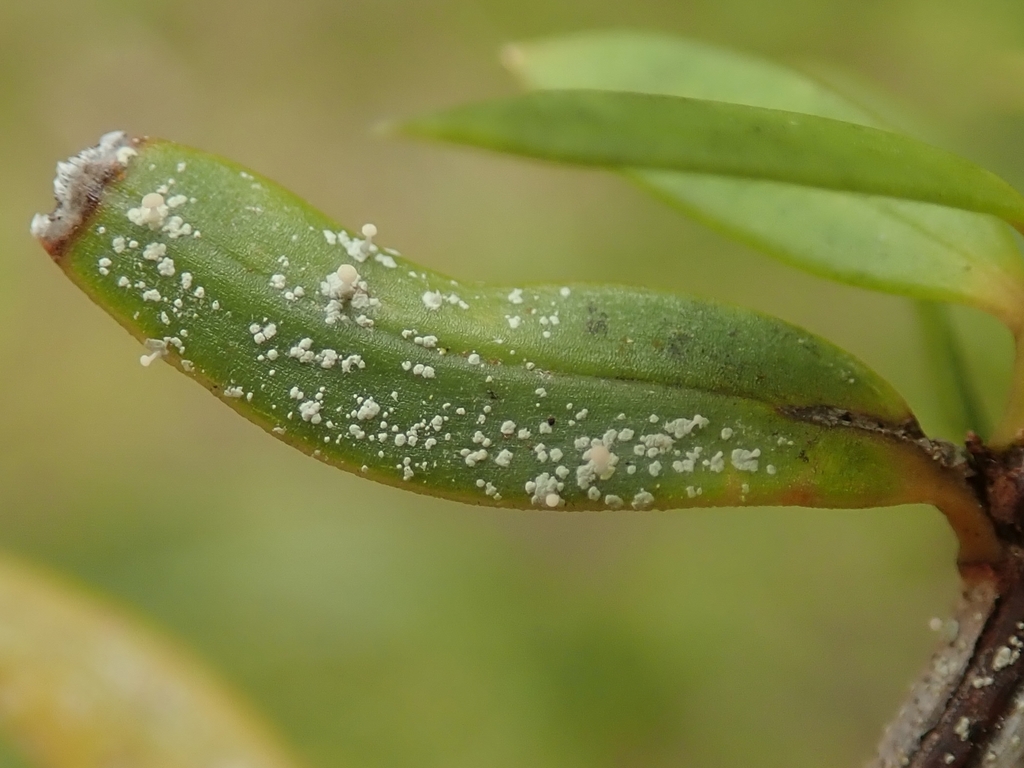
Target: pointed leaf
[572,397]
[897,246]
[624,129]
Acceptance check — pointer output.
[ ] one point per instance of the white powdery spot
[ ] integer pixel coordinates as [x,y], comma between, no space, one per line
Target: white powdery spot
[157,349]
[745,461]
[176,227]
[653,445]
[154,251]
[152,212]
[600,463]
[310,411]
[472,458]
[166,267]
[689,463]
[681,427]
[643,500]
[367,410]
[516,297]
[303,351]
[264,334]
[453,299]
[433,300]
[352,363]
[543,487]
[426,371]
[344,286]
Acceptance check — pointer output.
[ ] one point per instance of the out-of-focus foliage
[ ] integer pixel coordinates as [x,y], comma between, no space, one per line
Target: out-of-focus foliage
[376,628]
[622,130]
[84,686]
[898,246]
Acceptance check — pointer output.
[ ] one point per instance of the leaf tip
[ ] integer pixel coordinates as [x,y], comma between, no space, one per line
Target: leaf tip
[78,186]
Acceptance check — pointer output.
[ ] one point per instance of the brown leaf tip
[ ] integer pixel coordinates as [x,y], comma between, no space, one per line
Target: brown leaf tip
[78,187]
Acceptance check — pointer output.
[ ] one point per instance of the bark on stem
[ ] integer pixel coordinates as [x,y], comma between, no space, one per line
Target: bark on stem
[967,709]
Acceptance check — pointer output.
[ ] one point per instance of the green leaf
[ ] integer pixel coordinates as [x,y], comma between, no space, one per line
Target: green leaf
[520,396]
[957,392]
[86,686]
[624,129]
[898,246]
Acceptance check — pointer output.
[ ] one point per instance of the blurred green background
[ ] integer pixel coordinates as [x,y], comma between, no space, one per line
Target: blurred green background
[378,628]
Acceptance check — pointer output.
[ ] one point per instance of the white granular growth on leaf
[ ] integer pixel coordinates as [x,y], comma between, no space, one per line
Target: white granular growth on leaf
[433,300]
[745,461]
[157,349]
[643,500]
[368,410]
[154,251]
[151,213]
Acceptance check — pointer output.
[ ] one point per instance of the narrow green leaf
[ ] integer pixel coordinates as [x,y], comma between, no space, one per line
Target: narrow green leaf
[625,129]
[957,392]
[898,246]
[560,397]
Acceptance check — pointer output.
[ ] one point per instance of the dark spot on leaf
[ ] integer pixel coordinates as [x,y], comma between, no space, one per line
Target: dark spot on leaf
[677,342]
[551,421]
[597,321]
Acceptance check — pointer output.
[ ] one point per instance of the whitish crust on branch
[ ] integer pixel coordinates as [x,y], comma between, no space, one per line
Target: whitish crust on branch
[77,188]
[926,703]
[1007,748]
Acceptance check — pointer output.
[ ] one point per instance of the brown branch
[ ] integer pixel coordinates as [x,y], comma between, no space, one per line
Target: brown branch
[967,709]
